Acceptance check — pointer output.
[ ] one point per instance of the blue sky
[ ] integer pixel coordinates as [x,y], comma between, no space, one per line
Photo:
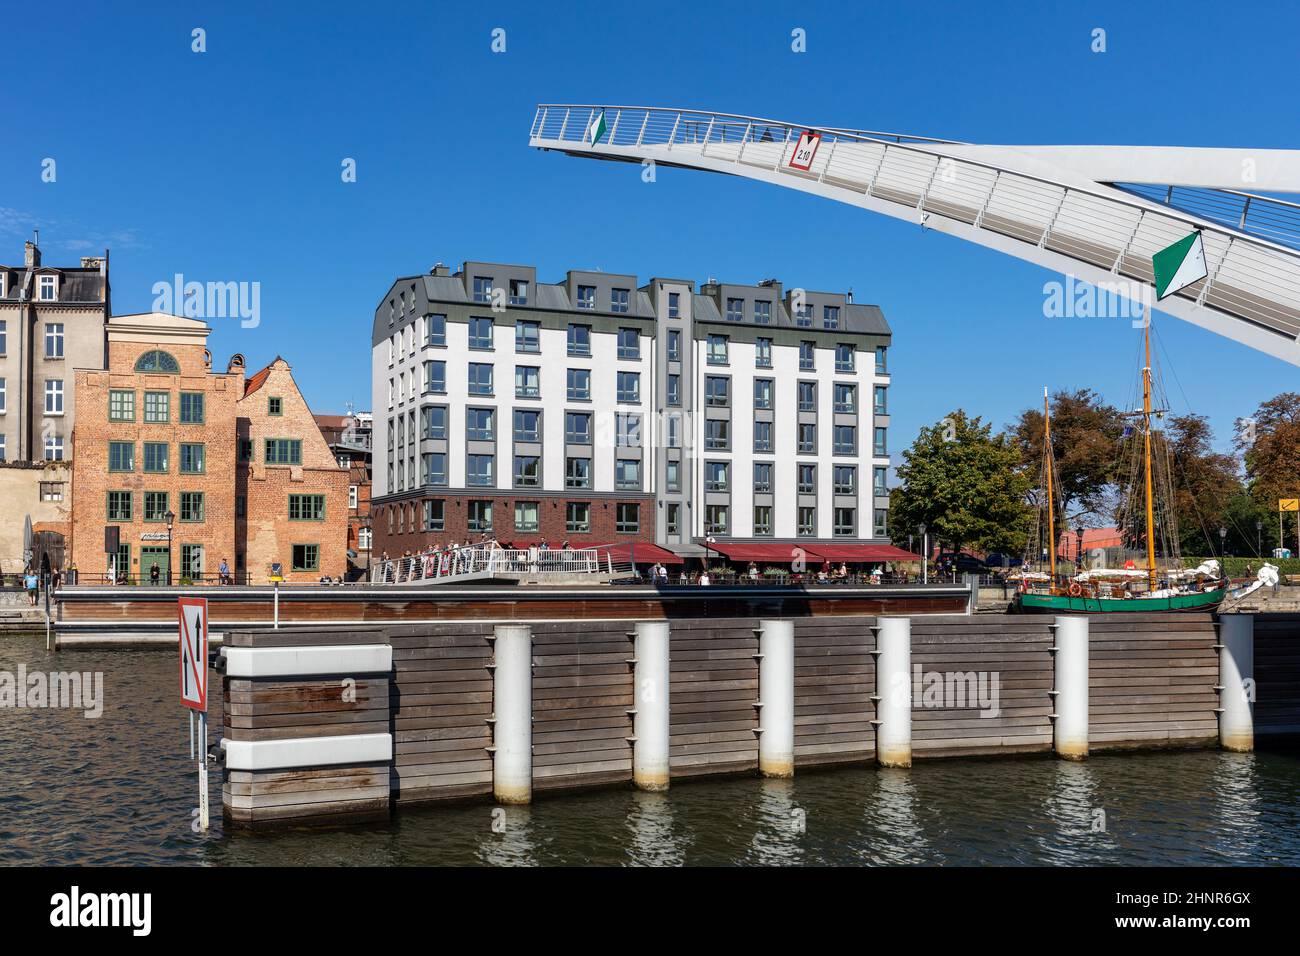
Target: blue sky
[225,165]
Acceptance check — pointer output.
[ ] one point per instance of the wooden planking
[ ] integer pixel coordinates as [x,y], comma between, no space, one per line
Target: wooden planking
[834,678]
[274,796]
[1277,674]
[714,684]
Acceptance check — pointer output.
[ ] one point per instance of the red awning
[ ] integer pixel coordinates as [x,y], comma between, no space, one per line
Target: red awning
[752,551]
[643,552]
[862,552]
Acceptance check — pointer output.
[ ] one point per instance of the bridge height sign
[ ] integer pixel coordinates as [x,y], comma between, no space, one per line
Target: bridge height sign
[805,150]
[194,652]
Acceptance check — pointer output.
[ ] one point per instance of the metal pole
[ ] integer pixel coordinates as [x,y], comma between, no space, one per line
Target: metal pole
[893,696]
[1237,682]
[191,713]
[650,770]
[512,714]
[203,768]
[277,605]
[1070,696]
[776,698]
[925,559]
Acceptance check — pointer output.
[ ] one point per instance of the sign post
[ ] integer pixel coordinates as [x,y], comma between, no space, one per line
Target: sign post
[277,575]
[193,614]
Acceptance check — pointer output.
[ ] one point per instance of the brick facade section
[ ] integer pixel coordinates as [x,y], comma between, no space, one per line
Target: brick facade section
[550,519]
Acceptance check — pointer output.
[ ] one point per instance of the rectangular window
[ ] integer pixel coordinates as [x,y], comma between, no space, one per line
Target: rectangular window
[674,305]
[435,377]
[673,430]
[763,392]
[306,507]
[762,312]
[579,380]
[2,448]
[627,431]
[715,519]
[763,353]
[807,396]
[527,515]
[717,434]
[629,387]
[880,481]
[2,395]
[4,326]
[586,297]
[528,381]
[121,405]
[54,448]
[846,480]
[433,467]
[674,389]
[577,428]
[577,472]
[673,518]
[283,451]
[718,349]
[577,517]
[880,526]
[844,358]
[762,520]
[807,439]
[482,288]
[480,333]
[881,406]
[192,457]
[435,329]
[629,345]
[717,391]
[433,421]
[618,300]
[880,445]
[762,436]
[434,515]
[157,406]
[735,310]
[155,506]
[717,475]
[274,406]
[673,475]
[831,316]
[480,378]
[121,456]
[155,457]
[674,344]
[478,470]
[478,515]
[882,365]
[803,316]
[579,339]
[54,396]
[51,491]
[119,506]
[627,474]
[846,398]
[846,522]
[54,340]
[518,291]
[192,408]
[806,526]
[763,476]
[528,336]
[627,519]
[807,479]
[306,557]
[49,289]
[191,506]
[846,440]
[528,471]
[807,356]
[528,425]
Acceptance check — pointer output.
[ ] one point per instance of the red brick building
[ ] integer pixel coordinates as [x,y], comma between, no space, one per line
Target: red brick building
[349,439]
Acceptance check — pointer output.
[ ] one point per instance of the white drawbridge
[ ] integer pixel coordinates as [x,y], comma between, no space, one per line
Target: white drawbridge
[1094,212]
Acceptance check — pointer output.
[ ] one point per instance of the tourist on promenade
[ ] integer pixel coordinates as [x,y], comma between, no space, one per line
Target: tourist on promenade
[31,583]
[56,578]
[153,574]
[704,579]
[223,572]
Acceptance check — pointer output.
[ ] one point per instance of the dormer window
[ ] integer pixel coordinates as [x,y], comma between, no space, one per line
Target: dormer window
[4,284]
[49,288]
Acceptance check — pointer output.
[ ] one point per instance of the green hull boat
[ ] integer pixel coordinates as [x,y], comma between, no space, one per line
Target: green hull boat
[1030,603]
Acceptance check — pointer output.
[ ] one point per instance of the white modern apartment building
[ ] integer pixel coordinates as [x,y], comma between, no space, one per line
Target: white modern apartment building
[600,409]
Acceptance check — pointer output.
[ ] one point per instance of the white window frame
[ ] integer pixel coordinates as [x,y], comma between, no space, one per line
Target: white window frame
[54,334]
[56,392]
[47,281]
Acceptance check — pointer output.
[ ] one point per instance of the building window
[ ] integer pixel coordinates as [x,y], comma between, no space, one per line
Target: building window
[435,377]
[4,326]
[434,467]
[880,445]
[717,391]
[627,518]
[155,506]
[527,515]
[156,360]
[54,396]
[673,430]
[434,421]
[478,515]
[353,497]
[518,291]
[674,389]
[618,300]
[807,522]
[763,353]
[807,396]
[434,519]
[673,520]
[807,479]
[674,305]
[880,526]
[880,481]
[807,356]
[480,333]
[846,522]
[192,408]
[579,339]
[481,424]
[715,519]
[762,312]
[528,381]
[121,405]
[803,316]
[844,358]
[482,288]
[2,394]
[717,475]
[157,407]
[246,448]
[762,436]
[49,288]
[831,316]
[528,336]
[763,393]
[51,491]
[2,448]
[718,349]
[53,448]
[528,471]
[192,455]
[627,431]
[673,475]
[579,381]
[674,344]
[577,472]
[54,340]
[119,506]
[275,406]
[629,345]
[480,378]
[283,451]
[192,506]
[306,557]
[577,428]
[435,329]
[717,434]
[306,507]
[762,520]
[807,439]
[627,474]
[763,477]
[577,517]
[586,297]
[155,457]
[846,440]
[846,479]
[846,398]
[121,456]
[528,425]
[629,387]
[735,310]
[882,365]
[478,470]
[881,406]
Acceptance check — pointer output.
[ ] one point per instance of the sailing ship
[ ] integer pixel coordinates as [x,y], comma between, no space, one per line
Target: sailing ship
[1131,588]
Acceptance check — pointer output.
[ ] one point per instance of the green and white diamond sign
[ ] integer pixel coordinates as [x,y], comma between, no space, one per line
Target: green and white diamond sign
[597,128]
[1178,266]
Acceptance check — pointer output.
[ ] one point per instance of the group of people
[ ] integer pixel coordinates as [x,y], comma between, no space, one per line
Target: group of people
[32,583]
[461,557]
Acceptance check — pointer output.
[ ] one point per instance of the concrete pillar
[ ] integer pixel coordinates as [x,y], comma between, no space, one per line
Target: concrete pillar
[650,722]
[1237,682]
[776,698]
[893,695]
[512,706]
[1070,696]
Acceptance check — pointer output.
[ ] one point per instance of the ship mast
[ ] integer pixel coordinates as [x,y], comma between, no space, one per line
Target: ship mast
[1051,508]
[1146,434]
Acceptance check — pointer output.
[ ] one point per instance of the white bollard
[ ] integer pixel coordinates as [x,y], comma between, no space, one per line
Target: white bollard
[650,722]
[1237,682]
[776,698]
[893,691]
[512,705]
[1070,695]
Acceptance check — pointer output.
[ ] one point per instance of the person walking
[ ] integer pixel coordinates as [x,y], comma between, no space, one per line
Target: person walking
[223,572]
[153,574]
[31,583]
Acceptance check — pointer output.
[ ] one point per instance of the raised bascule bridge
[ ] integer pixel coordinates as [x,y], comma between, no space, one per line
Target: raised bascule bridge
[1098,213]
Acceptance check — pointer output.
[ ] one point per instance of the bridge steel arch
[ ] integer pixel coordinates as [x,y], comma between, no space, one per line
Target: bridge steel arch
[1046,205]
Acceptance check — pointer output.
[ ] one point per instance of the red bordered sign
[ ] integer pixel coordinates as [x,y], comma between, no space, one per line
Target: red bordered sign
[193,614]
[805,150]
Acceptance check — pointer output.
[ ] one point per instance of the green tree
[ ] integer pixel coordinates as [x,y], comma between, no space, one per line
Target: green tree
[1269,443]
[965,484]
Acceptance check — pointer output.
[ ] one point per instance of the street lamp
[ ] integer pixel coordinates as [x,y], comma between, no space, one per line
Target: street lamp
[1223,542]
[1078,548]
[708,542]
[1259,537]
[171,517]
[925,553]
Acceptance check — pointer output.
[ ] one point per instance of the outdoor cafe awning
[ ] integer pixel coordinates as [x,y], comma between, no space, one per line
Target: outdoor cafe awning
[811,552]
[863,552]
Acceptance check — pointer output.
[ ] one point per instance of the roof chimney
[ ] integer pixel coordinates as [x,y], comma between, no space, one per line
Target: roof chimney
[32,254]
[439,270]
[850,295]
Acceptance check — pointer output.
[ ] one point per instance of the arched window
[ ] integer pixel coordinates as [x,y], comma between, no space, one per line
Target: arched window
[158,361]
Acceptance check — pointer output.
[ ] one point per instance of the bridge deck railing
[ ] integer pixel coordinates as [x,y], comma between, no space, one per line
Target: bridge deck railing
[458,563]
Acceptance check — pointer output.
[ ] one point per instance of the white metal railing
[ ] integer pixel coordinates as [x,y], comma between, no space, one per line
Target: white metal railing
[459,562]
[1250,277]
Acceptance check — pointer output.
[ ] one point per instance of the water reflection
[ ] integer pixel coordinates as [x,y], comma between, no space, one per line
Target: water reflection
[509,840]
[890,816]
[779,824]
[653,839]
[1075,813]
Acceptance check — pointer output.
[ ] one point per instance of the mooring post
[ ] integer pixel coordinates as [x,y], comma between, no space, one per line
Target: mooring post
[1236,688]
[1070,693]
[650,719]
[512,706]
[776,698]
[893,697]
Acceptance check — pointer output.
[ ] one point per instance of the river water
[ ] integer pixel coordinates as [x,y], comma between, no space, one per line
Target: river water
[120,789]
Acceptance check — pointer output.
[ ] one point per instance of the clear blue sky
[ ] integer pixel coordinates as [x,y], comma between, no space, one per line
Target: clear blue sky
[225,165]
